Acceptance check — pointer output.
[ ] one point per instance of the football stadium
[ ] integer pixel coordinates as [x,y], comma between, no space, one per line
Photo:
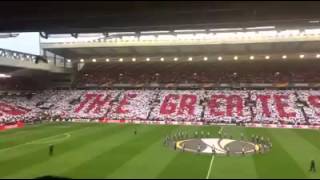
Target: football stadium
[160,90]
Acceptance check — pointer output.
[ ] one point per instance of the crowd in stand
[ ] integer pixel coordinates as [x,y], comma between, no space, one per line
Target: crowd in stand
[198,72]
[99,78]
[310,100]
[290,114]
[215,106]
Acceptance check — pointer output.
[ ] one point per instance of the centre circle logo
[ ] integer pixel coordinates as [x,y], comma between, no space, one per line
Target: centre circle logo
[220,146]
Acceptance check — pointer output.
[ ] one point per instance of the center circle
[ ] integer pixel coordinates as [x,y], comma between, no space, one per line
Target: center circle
[220,146]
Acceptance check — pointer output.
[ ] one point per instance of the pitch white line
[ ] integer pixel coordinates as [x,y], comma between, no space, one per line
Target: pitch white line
[221,129]
[40,141]
[30,142]
[13,147]
[210,166]
[212,159]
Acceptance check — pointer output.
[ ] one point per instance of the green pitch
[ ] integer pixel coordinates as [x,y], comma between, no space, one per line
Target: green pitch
[113,151]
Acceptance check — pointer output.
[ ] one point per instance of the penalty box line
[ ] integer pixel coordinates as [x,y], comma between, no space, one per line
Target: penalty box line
[51,139]
[30,142]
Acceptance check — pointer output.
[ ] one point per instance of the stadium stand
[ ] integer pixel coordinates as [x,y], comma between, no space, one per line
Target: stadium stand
[215,106]
[197,72]
[16,55]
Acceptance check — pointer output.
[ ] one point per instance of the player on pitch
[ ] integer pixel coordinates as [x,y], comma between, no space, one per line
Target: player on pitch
[228,150]
[220,134]
[312,166]
[243,150]
[51,149]
[213,150]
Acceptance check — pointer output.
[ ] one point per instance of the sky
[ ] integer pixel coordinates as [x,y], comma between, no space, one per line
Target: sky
[25,42]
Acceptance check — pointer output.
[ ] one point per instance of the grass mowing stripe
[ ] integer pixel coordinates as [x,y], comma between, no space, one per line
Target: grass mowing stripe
[148,162]
[113,151]
[53,139]
[25,159]
[36,127]
[238,167]
[22,150]
[8,142]
[312,136]
[300,149]
[63,150]
[186,166]
[30,142]
[277,163]
[82,149]
[119,154]
[45,131]
[189,165]
[18,131]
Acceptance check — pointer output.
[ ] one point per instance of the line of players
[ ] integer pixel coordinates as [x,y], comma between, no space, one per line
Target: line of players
[260,142]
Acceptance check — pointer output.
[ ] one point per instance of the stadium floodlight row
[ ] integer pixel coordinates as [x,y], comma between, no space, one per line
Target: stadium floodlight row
[205,58]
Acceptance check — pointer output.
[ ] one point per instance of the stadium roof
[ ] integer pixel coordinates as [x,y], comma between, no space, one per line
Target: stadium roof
[70,17]
[270,41]
[76,53]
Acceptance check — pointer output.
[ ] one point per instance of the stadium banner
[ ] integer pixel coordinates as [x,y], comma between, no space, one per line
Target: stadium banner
[283,126]
[300,85]
[256,85]
[225,85]
[136,122]
[188,85]
[208,85]
[139,85]
[80,120]
[107,84]
[104,120]
[91,85]
[170,85]
[204,85]
[169,122]
[244,84]
[197,123]
[236,85]
[153,122]
[314,84]
[286,84]
[122,85]
[18,124]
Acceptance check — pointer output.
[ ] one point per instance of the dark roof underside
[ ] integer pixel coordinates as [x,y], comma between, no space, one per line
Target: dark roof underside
[91,16]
